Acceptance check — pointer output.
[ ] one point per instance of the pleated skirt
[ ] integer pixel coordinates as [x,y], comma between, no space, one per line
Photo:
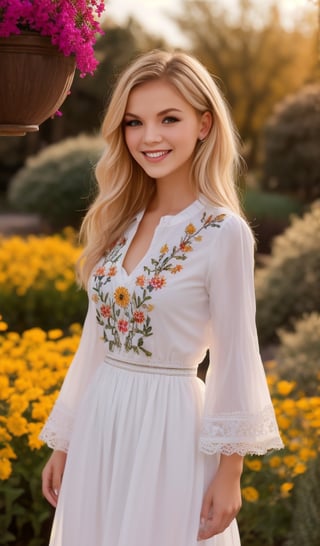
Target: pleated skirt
[134,474]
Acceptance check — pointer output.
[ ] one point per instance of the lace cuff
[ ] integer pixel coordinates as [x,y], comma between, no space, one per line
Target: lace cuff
[57,430]
[241,433]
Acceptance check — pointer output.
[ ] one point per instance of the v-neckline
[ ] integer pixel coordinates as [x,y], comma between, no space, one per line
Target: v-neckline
[165,220]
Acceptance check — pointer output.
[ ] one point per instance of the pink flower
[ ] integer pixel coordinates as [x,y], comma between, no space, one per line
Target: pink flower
[122,326]
[138,316]
[157,282]
[105,311]
[72,25]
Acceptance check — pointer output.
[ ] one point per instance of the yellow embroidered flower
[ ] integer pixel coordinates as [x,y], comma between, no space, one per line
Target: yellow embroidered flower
[198,238]
[95,298]
[140,281]
[122,296]
[176,269]
[190,229]
[164,249]
[250,494]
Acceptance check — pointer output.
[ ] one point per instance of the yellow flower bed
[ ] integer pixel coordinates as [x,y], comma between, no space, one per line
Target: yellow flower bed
[37,281]
[28,263]
[33,366]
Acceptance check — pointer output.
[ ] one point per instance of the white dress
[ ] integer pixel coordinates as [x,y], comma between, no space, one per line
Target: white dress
[143,433]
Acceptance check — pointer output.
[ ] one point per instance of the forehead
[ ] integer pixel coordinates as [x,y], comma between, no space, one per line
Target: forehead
[155,96]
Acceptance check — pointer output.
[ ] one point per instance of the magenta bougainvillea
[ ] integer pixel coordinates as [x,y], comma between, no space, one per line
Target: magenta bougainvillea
[72,25]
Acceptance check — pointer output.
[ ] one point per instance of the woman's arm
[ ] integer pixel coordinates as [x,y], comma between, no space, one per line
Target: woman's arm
[222,500]
[52,476]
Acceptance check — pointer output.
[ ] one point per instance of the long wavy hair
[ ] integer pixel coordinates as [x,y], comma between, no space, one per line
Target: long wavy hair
[124,188]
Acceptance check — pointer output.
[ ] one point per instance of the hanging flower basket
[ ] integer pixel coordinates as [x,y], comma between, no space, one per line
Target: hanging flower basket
[35,80]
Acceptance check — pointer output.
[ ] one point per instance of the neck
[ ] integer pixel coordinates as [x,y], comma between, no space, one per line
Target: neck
[171,197]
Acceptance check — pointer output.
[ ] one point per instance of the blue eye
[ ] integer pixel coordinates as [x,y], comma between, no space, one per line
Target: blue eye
[132,123]
[170,119]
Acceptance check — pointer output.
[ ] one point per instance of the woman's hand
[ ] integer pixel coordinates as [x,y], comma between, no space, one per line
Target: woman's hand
[52,476]
[222,500]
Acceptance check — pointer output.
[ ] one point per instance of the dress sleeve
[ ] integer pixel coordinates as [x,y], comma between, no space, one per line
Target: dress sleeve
[238,412]
[57,430]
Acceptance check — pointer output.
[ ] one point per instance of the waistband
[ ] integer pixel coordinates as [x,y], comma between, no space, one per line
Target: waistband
[149,368]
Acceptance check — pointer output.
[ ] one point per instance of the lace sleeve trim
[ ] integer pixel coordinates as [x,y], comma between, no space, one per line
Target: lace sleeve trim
[57,430]
[241,433]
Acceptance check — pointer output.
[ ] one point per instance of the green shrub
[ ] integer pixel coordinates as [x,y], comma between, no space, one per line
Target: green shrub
[58,183]
[306,513]
[269,214]
[292,159]
[299,354]
[288,286]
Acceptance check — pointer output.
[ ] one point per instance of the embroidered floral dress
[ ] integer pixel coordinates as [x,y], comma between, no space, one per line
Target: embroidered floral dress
[143,433]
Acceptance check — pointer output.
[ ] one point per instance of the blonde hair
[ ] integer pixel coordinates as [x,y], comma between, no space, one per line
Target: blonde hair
[124,188]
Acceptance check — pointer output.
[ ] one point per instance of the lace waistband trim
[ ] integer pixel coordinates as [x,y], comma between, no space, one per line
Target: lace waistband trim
[149,368]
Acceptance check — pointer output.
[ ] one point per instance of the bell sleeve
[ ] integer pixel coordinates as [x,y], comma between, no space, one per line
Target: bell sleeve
[58,428]
[238,413]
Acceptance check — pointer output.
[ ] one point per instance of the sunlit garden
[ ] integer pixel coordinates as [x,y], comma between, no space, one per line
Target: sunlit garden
[275,100]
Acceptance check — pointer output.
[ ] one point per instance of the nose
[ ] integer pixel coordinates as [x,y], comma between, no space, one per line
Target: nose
[152,134]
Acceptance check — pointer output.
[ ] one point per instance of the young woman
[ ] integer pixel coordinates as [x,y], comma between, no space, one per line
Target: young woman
[148,454]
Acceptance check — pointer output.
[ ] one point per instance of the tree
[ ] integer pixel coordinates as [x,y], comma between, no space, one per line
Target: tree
[257,62]
[292,158]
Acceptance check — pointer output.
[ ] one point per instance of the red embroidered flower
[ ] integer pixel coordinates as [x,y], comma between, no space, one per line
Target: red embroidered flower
[185,247]
[105,311]
[138,316]
[100,272]
[123,326]
[112,271]
[157,282]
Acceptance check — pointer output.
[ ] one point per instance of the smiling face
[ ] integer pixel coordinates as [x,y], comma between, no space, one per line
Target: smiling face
[161,130]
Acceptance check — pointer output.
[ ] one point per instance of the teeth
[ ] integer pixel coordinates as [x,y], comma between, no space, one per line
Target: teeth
[155,154]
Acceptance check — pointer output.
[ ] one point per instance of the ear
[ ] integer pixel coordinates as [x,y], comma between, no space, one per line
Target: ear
[205,125]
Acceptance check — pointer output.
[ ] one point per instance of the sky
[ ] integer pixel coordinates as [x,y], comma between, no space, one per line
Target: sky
[152,13]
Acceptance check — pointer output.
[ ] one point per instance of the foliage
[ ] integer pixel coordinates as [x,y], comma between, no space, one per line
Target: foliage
[269,483]
[269,214]
[72,26]
[299,354]
[306,512]
[37,282]
[292,159]
[288,286]
[58,183]
[237,50]
[33,367]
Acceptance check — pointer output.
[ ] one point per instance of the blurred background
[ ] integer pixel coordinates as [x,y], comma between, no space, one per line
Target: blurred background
[265,58]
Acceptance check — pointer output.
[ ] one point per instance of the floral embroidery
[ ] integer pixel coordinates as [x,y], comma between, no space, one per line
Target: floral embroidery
[125,316]
[122,296]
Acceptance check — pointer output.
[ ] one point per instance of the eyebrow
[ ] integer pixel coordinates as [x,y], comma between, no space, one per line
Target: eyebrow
[162,113]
